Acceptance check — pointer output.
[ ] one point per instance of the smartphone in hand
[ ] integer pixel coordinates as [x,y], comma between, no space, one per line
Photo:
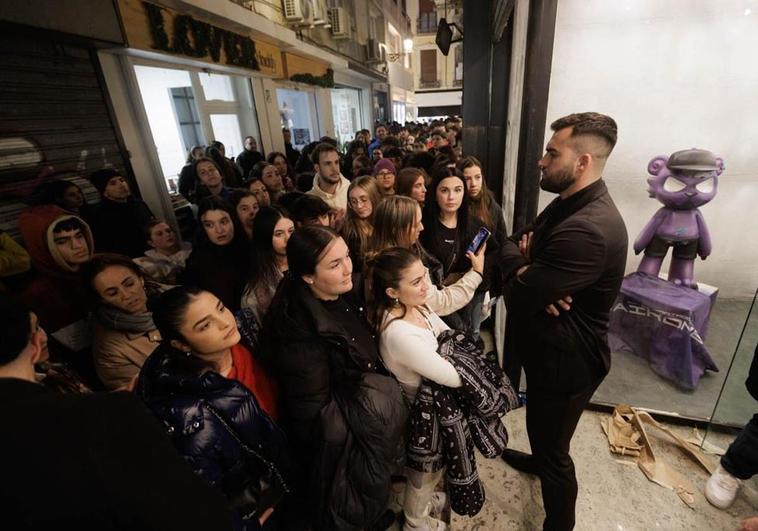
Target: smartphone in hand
[479,240]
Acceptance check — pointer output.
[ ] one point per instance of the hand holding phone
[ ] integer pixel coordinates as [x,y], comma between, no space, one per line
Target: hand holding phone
[479,240]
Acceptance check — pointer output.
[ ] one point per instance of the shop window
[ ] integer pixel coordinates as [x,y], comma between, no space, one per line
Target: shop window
[346,112]
[217,87]
[157,88]
[673,79]
[186,114]
[226,129]
[297,111]
[188,108]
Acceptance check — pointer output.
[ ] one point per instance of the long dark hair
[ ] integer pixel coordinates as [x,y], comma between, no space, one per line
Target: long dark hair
[431,237]
[263,271]
[385,270]
[480,206]
[216,203]
[257,171]
[272,157]
[306,248]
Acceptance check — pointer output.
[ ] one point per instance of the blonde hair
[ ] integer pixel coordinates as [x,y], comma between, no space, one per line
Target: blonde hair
[393,222]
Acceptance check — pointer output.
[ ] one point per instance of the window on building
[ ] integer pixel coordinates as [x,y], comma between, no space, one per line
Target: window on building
[427,17]
[429,69]
[187,117]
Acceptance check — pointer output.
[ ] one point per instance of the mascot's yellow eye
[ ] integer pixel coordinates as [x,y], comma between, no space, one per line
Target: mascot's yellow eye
[673,184]
[705,187]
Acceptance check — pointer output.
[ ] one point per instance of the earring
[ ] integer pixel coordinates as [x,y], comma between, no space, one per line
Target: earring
[396,301]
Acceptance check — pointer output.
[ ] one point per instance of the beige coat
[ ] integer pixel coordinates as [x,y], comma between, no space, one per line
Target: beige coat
[119,355]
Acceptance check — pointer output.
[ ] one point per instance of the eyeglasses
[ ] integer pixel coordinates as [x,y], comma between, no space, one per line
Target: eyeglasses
[385,174]
[359,201]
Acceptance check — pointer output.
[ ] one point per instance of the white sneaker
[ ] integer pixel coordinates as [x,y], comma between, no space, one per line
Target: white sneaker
[438,504]
[721,488]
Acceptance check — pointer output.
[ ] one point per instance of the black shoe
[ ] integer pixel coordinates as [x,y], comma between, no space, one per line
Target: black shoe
[521,461]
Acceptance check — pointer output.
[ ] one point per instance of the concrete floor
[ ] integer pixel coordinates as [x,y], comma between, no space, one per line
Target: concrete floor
[612,495]
[631,381]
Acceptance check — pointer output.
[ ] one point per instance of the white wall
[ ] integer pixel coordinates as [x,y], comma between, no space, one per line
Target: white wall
[675,75]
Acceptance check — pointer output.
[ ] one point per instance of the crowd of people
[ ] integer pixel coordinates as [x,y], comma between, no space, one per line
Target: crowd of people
[318,343]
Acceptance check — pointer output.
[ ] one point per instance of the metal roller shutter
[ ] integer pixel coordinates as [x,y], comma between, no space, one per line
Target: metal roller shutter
[54,121]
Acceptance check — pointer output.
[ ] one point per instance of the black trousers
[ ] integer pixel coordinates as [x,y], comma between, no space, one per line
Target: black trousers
[741,458]
[557,392]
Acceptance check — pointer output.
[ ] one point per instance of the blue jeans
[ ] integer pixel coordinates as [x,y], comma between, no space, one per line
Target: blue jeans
[469,318]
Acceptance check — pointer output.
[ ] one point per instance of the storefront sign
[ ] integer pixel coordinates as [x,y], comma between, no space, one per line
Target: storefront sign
[153,27]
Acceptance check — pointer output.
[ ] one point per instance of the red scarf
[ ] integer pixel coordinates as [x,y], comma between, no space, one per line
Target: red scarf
[250,373]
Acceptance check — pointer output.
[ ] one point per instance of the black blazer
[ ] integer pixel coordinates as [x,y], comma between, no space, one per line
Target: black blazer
[579,249]
[95,462]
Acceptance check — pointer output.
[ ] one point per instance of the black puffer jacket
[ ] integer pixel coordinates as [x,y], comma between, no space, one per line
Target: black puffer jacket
[343,413]
[208,418]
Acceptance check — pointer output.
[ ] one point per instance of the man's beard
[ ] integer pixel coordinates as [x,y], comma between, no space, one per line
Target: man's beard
[557,181]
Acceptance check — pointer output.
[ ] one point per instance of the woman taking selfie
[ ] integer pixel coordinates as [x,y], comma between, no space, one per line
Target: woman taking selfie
[332,390]
[219,254]
[408,345]
[362,198]
[412,342]
[123,328]
[397,223]
[271,232]
[216,403]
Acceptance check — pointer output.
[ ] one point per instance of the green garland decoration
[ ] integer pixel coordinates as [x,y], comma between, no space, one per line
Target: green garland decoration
[326,81]
[206,39]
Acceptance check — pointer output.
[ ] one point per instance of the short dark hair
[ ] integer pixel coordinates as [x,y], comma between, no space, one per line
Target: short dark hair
[307,208]
[590,124]
[15,328]
[287,199]
[68,224]
[323,147]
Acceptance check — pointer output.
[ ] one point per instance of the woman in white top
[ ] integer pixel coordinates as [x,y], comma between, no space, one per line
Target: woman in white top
[397,223]
[408,332]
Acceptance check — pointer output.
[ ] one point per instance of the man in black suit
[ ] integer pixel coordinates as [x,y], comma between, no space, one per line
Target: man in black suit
[562,275]
[88,462]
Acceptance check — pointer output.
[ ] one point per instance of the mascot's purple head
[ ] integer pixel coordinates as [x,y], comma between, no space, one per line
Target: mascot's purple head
[685,180]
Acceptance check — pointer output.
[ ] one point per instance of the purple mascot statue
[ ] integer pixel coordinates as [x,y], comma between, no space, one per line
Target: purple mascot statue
[682,182]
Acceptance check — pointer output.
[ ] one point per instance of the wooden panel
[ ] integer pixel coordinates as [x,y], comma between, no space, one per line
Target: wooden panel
[297,64]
